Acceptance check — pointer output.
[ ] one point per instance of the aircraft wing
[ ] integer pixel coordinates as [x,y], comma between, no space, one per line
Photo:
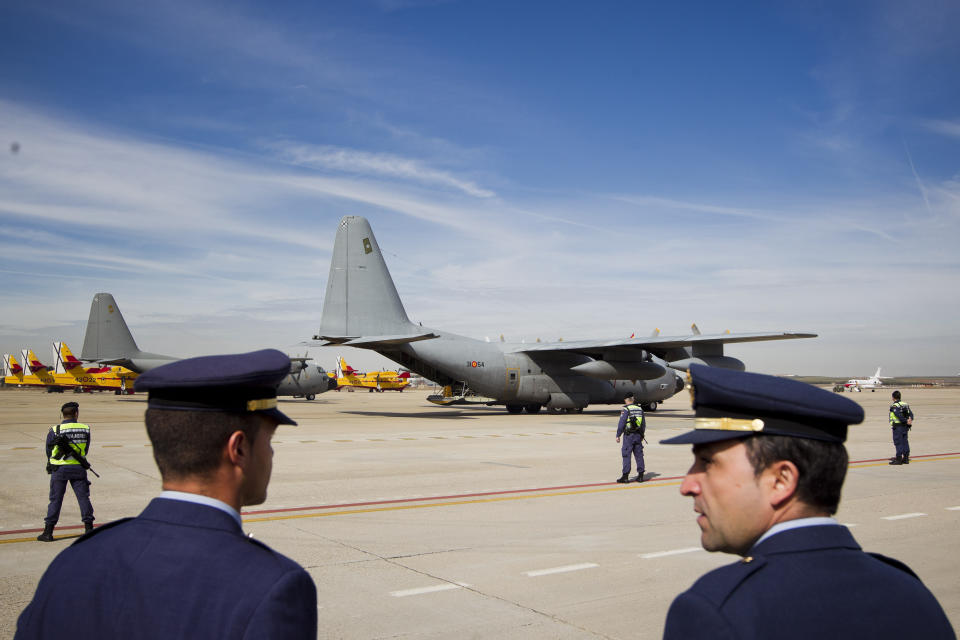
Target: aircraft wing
[373,342]
[658,344]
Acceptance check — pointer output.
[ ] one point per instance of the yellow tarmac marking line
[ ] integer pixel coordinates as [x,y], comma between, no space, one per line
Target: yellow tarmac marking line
[404,507]
[645,485]
[863,465]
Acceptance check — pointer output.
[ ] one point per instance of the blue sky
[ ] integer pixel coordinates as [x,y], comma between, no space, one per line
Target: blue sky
[531,169]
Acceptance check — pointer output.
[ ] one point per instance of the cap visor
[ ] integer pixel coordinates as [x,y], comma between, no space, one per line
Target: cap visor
[279,416]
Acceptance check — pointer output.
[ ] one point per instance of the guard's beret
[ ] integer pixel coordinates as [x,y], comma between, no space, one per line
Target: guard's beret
[69,406]
[235,383]
[737,404]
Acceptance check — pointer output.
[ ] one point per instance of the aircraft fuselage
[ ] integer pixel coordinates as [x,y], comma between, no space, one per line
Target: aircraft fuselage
[497,370]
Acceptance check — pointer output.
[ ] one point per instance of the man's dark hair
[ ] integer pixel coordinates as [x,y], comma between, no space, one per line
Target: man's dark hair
[190,443]
[822,466]
[896,396]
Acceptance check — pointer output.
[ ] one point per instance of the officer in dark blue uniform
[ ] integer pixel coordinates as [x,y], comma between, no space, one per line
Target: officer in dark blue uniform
[183,568]
[632,427]
[769,465]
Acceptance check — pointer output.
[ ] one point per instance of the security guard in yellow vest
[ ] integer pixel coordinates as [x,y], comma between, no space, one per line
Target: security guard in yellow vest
[632,426]
[64,467]
[901,419]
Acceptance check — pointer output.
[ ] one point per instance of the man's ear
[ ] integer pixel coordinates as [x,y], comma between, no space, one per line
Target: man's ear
[781,479]
[238,448]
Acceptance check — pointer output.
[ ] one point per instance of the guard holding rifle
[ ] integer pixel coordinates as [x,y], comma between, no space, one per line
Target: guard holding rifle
[67,446]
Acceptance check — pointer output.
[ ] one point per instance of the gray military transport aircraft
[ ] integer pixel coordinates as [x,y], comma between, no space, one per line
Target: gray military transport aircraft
[362,309]
[108,341]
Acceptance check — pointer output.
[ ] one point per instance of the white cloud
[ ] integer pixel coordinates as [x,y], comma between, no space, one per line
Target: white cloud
[948,128]
[376,165]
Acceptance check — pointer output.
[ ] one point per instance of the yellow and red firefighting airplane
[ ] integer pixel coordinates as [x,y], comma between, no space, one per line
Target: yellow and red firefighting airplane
[347,376]
[67,373]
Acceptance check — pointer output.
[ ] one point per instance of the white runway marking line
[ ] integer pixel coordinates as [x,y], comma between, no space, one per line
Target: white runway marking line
[904,516]
[424,590]
[566,569]
[672,552]
[953,508]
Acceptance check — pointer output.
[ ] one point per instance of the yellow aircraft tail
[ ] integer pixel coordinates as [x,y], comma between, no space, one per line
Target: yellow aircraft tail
[12,371]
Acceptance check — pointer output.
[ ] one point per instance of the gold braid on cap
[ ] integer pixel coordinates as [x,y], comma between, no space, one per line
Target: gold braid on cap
[261,404]
[728,424]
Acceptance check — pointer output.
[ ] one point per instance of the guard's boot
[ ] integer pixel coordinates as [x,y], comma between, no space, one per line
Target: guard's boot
[47,535]
[906,459]
[623,479]
[87,527]
[640,477]
[897,460]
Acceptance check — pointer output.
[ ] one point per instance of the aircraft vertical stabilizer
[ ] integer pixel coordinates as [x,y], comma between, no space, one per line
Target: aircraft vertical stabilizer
[107,333]
[361,299]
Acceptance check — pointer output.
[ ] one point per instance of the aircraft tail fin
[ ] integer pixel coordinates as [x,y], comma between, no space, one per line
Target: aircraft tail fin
[34,362]
[361,299]
[107,336]
[343,368]
[11,367]
[64,359]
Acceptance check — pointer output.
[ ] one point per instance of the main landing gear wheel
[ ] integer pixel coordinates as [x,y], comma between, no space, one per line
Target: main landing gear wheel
[532,408]
[310,396]
[514,408]
[650,406]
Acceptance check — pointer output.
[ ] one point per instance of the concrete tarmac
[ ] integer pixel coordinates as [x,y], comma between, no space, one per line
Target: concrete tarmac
[421,522]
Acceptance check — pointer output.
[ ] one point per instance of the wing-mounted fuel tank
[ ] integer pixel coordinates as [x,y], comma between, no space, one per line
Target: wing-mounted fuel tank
[710,354]
[617,367]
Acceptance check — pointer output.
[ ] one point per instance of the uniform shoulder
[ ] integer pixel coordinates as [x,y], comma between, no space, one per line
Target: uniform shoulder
[273,555]
[717,585]
[893,562]
[99,530]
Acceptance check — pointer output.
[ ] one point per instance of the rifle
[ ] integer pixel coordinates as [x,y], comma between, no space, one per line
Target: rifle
[65,445]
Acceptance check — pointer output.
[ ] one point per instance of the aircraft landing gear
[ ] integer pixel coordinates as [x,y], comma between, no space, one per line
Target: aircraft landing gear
[310,396]
[532,408]
[514,408]
[650,406]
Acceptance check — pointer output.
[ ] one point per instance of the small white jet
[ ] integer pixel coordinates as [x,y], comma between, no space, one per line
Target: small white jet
[873,383]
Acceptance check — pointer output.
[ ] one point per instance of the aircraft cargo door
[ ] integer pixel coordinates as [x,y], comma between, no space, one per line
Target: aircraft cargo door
[513,377]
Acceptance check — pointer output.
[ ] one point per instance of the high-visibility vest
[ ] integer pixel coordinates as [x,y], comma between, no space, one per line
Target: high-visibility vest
[904,411]
[79,434]
[634,419]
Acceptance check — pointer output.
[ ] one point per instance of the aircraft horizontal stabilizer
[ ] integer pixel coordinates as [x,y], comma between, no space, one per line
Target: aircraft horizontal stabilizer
[374,342]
